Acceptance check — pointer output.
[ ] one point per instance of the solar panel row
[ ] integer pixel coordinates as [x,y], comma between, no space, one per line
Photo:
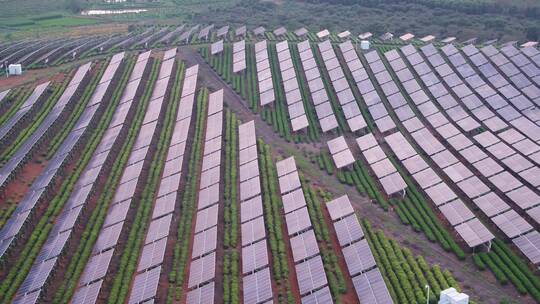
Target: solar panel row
[264,74]
[345,97]
[169,37]
[8,125]
[4,94]
[323,108]
[114,221]
[369,287]
[366,88]
[310,272]
[293,97]
[203,264]
[280,31]
[301,32]
[394,96]
[148,40]
[341,154]
[205,32]
[241,31]
[323,34]
[187,35]
[257,286]
[383,168]
[62,228]
[239,56]
[222,31]
[156,236]
[259,31]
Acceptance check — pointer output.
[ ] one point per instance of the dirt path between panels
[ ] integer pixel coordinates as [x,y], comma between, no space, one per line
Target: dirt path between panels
[481,286]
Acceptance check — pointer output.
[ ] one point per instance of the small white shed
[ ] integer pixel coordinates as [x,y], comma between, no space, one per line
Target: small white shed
[15,69]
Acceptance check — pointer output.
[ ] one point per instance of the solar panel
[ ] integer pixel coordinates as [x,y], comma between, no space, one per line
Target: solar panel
[259,30]
[310,275]
[337,144]
[257,287]
[393,183]
[152,254]
[280,31]
[293,201]
[529,245]
[456,212]
[96,267]
[204,242]
[145,285]
[474,233]
[253,231]
[348,230]
[251,209]
[297,221]
[202,270]
[158,228]
[87,294]
[285,166]
[206,218]
[248,154]
[202,295]
[250,188]
[222,31]
[511,224]
[301,32]
[358,257]
[304,246]
[241,31]
[254,257]
[339,208]
[320,296]
[371,288]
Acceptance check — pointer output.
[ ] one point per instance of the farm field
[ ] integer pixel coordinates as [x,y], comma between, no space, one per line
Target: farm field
[205,163]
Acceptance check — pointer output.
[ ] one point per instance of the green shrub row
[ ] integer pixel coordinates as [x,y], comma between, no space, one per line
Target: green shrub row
[506,266]
[272,218]
[181,248]
[406,276]
[364,184]
[279,111]
[231,288]
[25,258]
[97,216]
[271,206]
[230,212]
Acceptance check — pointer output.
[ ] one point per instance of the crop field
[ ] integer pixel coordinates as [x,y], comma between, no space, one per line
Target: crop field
[196,163]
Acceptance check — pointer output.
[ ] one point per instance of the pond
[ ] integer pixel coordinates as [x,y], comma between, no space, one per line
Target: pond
[112,12]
